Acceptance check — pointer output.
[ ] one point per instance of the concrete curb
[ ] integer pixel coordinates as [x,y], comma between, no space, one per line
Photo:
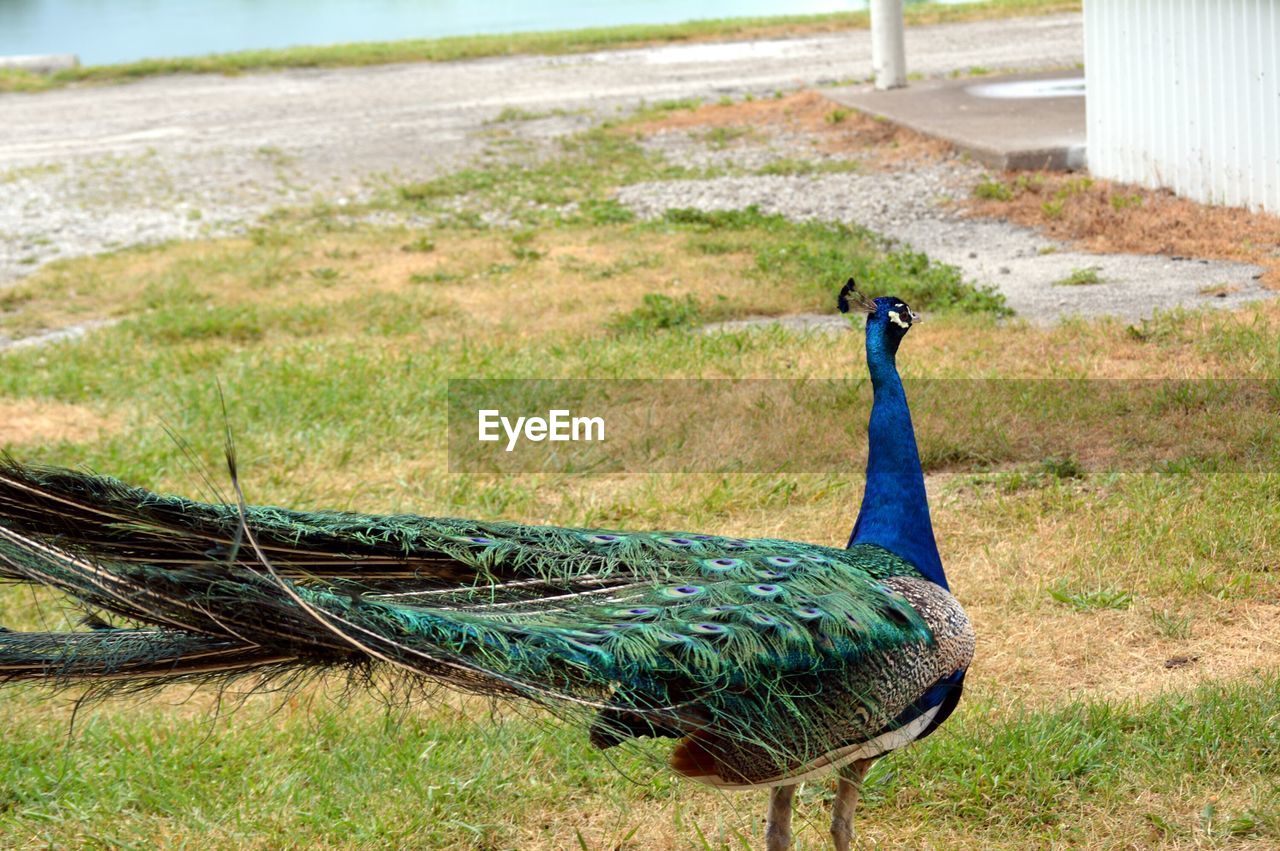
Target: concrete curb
[1000,132]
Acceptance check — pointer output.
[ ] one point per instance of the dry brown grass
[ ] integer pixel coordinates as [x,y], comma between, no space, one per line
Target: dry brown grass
[34,422]
[577,279]
[835,129]
[1107,217]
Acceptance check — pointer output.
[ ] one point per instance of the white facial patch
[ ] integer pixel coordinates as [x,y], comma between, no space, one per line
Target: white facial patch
[896,319]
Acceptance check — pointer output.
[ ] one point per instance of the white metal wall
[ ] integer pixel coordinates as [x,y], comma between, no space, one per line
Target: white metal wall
[1185,94]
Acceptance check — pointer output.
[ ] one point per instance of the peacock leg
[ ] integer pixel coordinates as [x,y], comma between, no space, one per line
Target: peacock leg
[846,801]
[777,828]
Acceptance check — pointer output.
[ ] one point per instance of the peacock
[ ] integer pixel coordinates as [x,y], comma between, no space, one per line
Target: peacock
[770,662]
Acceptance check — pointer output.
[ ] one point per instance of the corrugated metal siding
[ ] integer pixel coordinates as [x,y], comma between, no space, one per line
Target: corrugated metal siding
[1186,94]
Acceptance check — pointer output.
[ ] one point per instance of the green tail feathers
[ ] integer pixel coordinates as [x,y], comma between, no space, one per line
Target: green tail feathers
[660,633]
[128,656]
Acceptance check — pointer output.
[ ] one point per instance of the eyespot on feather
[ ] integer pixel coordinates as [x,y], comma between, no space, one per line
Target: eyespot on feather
[721,565]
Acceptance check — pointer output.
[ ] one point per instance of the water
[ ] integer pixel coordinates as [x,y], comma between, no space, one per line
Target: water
[106,31]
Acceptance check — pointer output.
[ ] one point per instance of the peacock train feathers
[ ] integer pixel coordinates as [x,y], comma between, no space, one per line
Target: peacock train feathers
[771,661]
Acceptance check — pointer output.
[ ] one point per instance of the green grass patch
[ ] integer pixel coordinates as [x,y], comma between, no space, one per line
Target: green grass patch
[1080,278]
[1089,600]
[819,255]
[658,312]
[275,771]
[1042,774]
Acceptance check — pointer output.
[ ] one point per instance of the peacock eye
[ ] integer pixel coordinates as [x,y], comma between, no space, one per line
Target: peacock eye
[682,591]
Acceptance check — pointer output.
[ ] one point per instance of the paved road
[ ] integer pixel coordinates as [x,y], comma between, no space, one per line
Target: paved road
[86,169]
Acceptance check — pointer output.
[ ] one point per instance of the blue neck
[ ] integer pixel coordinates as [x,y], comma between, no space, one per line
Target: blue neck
[895,510]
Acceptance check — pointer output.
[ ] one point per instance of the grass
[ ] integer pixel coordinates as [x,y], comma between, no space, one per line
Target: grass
[1105,217]
[1080,278]
[552,43]
[1096,598]
[1113,541]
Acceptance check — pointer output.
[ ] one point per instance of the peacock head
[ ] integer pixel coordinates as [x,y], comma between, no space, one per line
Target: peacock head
[890,312]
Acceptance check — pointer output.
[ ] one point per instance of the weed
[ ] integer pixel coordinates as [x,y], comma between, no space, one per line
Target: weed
[837,116]
[1063,468]
[1171,625]
[605,212]
[1121,201]
[659,312]
[993,189]
[721,137]
[1080,277]
[1091,600]
[420,245]
[437,277]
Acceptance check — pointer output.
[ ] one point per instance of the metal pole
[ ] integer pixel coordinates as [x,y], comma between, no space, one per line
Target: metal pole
[888,50]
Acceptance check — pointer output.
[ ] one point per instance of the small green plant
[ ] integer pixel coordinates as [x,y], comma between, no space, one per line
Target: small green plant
[1033,182]
[725,100]
[437,277]
[522,245]
[659,312]
[1123,202]
[605,212]
[324,274]
[1171,625]
[1053,209]
[837,116]
[516,114]
[1098,598]
[720,137]
[1075,186]
[992,189]
[1063,468]
[1080,278]
[421,245]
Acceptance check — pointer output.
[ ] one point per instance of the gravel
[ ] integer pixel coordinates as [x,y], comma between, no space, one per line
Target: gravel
[702,150]
[912,207]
